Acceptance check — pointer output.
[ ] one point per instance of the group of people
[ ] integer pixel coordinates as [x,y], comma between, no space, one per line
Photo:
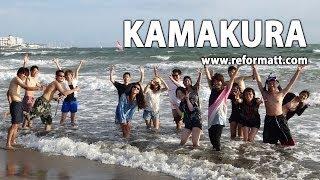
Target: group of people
[244,120]
[26,109]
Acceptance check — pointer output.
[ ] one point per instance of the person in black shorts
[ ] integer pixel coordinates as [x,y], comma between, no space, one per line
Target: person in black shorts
[234,119]
[15,101]
[249,115]
[190,112]
[275,125]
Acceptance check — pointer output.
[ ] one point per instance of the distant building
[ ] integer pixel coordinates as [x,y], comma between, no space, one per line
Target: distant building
[11,41]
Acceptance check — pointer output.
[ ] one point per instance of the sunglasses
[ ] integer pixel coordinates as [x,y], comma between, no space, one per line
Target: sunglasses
[175,75]
[60,75]
[137,88]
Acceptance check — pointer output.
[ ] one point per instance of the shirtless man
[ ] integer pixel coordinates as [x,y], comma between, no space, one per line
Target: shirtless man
[15,103]
[275,124]
[29,99]
[42,105]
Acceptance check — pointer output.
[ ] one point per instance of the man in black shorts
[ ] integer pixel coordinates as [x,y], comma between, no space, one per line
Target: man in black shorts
[16,111]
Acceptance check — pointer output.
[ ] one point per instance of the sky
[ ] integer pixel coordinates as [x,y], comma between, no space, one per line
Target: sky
[95,23]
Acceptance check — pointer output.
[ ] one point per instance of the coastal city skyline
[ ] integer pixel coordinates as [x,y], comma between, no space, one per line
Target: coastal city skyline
[98,23]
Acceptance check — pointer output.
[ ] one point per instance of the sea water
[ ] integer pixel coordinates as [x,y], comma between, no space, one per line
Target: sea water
[98,138]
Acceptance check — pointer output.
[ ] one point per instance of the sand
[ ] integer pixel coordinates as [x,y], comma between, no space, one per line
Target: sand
[30,164]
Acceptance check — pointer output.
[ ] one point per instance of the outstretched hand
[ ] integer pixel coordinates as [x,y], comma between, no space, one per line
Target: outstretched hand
[141,69]
[301,66]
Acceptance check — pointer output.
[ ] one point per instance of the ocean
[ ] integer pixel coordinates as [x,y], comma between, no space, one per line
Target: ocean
[98,138]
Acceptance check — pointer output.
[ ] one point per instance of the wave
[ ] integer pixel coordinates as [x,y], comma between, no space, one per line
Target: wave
[316,50]
[164,58]
[121,153]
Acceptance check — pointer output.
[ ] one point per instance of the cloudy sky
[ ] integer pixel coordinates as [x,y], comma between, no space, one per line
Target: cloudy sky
[92,23]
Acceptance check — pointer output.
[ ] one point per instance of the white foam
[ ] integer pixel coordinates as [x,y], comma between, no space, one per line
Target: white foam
[163,58]
[180,166]
[316,50]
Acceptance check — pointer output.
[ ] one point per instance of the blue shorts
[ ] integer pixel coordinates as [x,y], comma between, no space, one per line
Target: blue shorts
[147,115]
[69,106]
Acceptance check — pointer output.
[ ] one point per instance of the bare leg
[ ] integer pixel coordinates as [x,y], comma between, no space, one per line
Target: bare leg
[47,127]
[196,132]
[11,132]
[148,124]
[185,136]
[178,125]
[233,129]
[245,131]
[156,124]
[63,118]
[14,136]
[73,119]
[252,134]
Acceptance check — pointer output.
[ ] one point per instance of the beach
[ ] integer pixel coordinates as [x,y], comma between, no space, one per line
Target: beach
[30,164]
[98,143]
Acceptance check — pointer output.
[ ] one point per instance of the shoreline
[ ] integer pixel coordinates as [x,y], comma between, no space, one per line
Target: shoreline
[32,164]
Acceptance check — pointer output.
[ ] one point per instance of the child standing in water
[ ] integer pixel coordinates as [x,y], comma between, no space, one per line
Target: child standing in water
[127,105]
[234,119]
[217,111]
[249,113]
[190,111]
[152,94]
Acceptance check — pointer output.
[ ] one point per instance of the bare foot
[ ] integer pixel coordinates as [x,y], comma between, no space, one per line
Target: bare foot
[9,147]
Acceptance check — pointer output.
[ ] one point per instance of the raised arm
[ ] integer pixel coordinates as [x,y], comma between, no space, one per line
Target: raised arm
[76,75]
[112,71]
[197,85]
[208,75]
[25,60]
[258,78]
[293,80]
[232,78]
[174,81]
[56,61]
[141,69]
[166,87]
[155,71]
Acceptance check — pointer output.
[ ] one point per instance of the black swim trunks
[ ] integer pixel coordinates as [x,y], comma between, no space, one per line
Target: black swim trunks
[276,129]
[16,112]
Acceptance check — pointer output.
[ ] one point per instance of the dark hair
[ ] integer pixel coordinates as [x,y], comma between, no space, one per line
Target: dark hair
[182,89]
[230,68]
[34,67]
[58,72]
[126,73]
[141,102]
[235,85]
[218,77]
[152,87]
[176,71]
[187,77]
[306,92]
[68,71]
[249,89]
[265,85]
[23,70]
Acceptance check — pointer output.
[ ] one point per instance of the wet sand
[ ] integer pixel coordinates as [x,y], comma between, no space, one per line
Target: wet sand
[30,164]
